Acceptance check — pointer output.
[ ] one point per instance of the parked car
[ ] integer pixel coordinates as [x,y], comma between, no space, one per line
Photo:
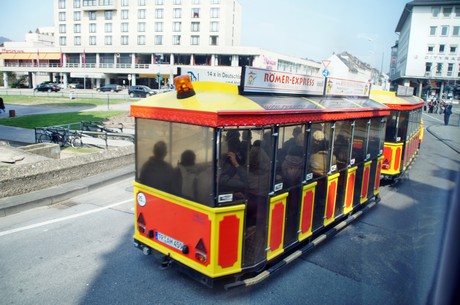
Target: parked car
[141,91]
[76,86]
[47,88]
[109,88]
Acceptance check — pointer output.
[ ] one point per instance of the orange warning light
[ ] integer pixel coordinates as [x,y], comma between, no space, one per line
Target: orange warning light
[184,87]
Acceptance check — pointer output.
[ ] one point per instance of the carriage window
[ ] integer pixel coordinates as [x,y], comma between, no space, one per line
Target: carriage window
[319,158]
[342,140]
[374,137]
[244,164]
[175,158]
[360,141]
[403,125]
[390,134]
[291,155]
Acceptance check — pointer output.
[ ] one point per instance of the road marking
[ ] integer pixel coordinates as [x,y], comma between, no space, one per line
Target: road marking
[40,224]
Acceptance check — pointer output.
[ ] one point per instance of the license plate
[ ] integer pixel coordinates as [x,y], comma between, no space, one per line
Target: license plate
[169,241]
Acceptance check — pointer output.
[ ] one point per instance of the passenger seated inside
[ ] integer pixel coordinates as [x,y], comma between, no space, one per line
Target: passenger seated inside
[233,176]
[185,175]
[156,172]
[319,163]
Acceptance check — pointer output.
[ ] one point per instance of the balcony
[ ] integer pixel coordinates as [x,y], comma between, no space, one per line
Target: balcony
[99,5]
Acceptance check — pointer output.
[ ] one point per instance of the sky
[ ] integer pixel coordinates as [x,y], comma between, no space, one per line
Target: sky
[301,28]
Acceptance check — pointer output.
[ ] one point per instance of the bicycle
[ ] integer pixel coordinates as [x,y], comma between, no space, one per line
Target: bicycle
[62,137]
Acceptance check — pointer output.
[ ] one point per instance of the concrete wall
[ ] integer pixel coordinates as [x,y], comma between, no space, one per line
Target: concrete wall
[30,177]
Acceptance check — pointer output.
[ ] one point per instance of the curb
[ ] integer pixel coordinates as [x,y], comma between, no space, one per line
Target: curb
[58,193]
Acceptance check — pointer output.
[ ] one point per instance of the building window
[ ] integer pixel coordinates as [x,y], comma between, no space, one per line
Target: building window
[62,16]
[76,16]
[108,28]
[124,27]
[458,74]
[177,2]
[141,26]
[124,14]
[124,40]
[108,15]
[61,4]
[195,26]
[176,26]
[124,2]
[215,1]
[141,2]
[77,41]
[76,4]
[62,41]
[444,30]
[457,11]
[159,13]
[108,40]
[141,39]
[158,26]
[177,13]
[195,40]
[442,48]
[195,12]
[195,1]
[77,28]
[141,14]
[213,40]
[214,27]
[92,15]
[456,31]
[176,40]
[438,69]
[62,28]
[92,40]
[214,12]
[450,69]
[428,66]
[92,28]
[158,40]
[159,2]
[430,48]
[433,30]
[446,11]
[453,49]
[435,10]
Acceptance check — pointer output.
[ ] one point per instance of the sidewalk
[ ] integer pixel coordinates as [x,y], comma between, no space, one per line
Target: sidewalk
[450,135]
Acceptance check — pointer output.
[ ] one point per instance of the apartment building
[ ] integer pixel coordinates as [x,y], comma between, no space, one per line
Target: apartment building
[427,54]
[130,42]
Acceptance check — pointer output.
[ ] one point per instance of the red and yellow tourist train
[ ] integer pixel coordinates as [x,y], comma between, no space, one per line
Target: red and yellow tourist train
[234,181]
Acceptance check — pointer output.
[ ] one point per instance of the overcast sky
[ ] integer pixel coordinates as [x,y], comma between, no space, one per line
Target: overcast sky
[301,28]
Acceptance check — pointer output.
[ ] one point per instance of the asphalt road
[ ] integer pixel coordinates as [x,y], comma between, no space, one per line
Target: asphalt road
[80,251]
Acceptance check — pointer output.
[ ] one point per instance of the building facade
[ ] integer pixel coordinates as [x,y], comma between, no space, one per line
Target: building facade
[427,54]
[131,42]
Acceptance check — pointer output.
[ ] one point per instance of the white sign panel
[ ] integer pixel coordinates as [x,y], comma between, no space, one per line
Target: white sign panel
[343,87]
[229,75]
[270,81]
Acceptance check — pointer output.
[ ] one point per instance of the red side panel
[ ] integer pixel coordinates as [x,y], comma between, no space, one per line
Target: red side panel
[277,226]
[308,210]
[350,189]
[332,192]
[397,162]
[365,185]
[228,241]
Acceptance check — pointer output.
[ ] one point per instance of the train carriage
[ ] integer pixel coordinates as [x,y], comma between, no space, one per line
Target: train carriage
[230,180]
[404,131]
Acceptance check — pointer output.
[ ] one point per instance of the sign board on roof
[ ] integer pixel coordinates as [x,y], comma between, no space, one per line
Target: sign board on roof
[271,81]
[344,87]
[229,75]
[405,91]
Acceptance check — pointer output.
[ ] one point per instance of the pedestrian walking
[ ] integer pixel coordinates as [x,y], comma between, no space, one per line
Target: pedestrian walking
[447,112]
[2,105]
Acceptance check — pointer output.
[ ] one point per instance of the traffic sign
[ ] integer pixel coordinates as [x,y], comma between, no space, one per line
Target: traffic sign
[326,72]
